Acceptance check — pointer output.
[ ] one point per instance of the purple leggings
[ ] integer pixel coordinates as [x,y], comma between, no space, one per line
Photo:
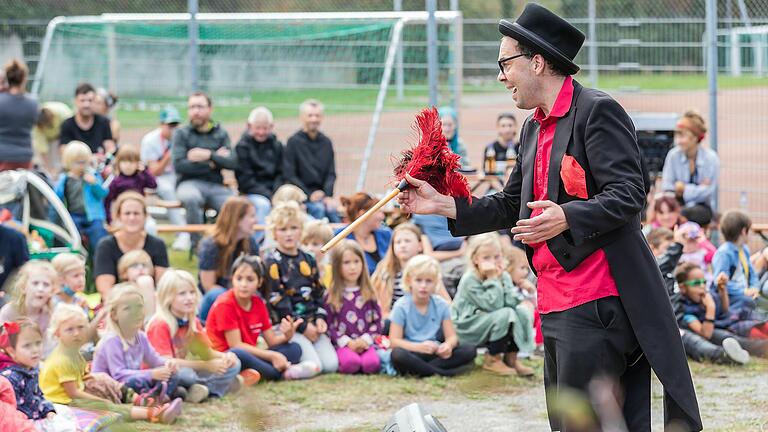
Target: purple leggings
[351,362]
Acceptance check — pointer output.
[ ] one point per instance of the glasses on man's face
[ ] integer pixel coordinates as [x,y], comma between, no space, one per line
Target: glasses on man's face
[506,59]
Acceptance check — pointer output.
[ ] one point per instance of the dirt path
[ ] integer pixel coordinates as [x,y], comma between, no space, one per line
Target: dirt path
[743,132]
[730,401]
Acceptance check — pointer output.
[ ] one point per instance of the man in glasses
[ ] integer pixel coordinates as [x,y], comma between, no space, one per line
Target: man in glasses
[574,200]
[200,150]
[156,155]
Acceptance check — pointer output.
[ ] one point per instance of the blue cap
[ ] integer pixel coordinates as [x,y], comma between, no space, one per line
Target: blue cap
[170,115]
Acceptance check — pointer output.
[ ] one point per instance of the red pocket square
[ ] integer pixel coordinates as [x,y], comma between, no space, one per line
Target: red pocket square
[574,179]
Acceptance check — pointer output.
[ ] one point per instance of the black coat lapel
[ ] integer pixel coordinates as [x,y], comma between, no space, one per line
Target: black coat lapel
[563,134]
[527,165]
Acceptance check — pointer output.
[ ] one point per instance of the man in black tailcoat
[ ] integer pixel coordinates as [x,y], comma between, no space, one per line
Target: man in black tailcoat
[574,199]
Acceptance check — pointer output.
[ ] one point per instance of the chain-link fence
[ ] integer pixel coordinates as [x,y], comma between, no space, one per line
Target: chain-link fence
[650,55]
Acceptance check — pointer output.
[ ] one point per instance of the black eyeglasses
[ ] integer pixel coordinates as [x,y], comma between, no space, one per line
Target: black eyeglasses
[506,59]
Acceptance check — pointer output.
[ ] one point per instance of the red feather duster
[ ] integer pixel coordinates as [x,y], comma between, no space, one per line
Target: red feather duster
[432,159]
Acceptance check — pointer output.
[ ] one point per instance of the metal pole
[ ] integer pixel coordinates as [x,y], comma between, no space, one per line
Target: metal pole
[712,75]
[454,5]
[458,61]
[192,6]
[398,7]
[397,31]
[432,51]
[592,43]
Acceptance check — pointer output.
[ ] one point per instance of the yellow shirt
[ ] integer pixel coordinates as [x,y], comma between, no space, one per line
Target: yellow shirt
[61,367]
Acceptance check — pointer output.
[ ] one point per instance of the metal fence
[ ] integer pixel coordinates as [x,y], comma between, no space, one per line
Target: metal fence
[650,55]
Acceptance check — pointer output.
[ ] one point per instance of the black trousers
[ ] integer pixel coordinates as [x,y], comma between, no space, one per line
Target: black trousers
[504,345]
[424,365]
[594,340]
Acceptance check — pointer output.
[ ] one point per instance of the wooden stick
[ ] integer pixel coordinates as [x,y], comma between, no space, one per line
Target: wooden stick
[351,227]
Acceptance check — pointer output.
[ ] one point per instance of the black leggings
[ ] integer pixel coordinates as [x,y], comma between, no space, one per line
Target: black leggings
[504,345]
[424,365]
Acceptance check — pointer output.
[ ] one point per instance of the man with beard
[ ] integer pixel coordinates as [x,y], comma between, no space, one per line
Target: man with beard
[87,126]
[200,150]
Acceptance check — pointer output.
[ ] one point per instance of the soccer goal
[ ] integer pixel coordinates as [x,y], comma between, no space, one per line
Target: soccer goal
[746,49]
[362,65]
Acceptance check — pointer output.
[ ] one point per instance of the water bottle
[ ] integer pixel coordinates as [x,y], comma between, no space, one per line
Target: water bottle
[743,201]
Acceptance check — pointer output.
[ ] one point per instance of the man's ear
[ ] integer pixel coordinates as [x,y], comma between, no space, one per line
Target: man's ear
[539,64]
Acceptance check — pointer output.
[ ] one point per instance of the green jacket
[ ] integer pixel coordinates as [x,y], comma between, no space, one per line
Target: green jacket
[483,310]
[185,138]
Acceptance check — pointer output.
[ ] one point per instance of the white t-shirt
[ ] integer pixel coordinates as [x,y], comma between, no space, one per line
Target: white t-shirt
[153,147]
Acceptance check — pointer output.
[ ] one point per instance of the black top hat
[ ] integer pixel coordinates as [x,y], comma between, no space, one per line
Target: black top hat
[539,28]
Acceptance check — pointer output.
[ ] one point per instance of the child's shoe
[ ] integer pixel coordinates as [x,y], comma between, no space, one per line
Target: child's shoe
[495,364]
[154,396]
[237,384]
[735,352]
[197,393]
[302,370]
[127,395]
[250,377]
[510,359]
[165,414]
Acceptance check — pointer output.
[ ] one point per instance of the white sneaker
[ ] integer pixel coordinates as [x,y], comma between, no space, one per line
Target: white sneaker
[735,351]
[182,243]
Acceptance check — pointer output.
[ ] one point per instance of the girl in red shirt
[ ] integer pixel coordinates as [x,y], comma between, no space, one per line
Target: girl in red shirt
[175,332]
[239,317]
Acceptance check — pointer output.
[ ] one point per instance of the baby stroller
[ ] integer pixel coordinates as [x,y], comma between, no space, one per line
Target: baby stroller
[31,203]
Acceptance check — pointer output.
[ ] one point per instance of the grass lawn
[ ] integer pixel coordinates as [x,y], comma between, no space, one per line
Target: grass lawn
[275,406]
[366,402]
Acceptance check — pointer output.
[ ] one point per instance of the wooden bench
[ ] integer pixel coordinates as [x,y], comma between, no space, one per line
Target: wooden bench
[204,228]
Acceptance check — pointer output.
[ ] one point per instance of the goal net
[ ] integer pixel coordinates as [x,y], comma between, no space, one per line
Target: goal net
[365,67]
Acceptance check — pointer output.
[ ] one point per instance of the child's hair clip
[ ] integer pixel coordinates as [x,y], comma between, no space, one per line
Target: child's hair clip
[10,328]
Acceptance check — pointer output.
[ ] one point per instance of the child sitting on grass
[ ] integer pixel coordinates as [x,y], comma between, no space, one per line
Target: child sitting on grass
[32,298]
[71,270]
[175,332]
[407,242]
[20,354]
[488,311]
[80,189]
[709,314]
[667,247]
[64,373]
[136,266]
[293,288]
[354,317]
[519,270]
[125,350]
[239,317]
[316,234]
[732,259]
[423,340]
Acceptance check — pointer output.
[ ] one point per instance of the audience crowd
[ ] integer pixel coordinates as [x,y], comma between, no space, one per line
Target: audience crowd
[397,297]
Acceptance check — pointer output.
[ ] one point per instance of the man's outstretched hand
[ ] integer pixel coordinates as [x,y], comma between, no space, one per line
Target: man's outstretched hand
[422,198]
[542,227]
